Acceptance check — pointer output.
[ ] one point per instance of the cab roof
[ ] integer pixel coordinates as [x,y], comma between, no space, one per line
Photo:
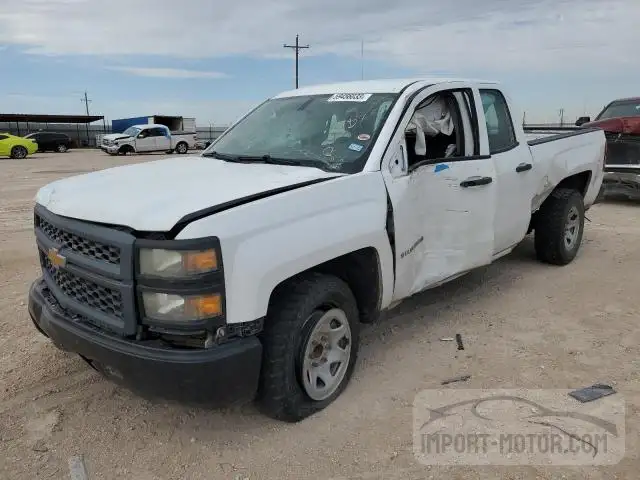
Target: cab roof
[373,86]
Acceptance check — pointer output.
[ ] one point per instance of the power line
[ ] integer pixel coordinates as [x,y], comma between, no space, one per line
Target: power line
[297,47]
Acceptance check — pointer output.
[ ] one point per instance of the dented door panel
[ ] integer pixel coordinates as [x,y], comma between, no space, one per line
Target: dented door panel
[441,228]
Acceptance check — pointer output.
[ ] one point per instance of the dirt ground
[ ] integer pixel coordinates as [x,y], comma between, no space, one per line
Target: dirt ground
[524,324]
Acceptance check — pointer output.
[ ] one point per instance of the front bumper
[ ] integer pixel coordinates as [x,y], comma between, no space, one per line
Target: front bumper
[222,375]
[110,148]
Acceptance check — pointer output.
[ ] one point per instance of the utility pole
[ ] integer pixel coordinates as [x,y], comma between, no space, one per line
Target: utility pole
[362,59]
[561,111]
[86,104]
[297,47]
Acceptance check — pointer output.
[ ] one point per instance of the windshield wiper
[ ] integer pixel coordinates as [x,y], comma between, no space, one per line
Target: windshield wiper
[220,156]
[265,159]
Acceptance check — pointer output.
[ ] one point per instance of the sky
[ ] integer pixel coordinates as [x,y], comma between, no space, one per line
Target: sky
[215,60]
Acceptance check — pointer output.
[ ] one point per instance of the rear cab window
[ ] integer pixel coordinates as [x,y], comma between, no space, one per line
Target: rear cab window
[502,136]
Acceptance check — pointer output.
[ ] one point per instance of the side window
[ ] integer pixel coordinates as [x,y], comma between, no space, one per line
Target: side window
[3,137]
[498,120]
[439,129]
[157,132]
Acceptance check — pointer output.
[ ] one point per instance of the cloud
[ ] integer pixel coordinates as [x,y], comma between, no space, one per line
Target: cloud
[168,72]
[459,36]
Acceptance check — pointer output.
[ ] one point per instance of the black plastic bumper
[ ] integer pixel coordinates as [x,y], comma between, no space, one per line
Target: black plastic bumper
[220,376]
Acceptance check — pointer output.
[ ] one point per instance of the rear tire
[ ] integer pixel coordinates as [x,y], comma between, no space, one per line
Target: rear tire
[19,152]
[61,148]
[182,148]
[310,342]
[559,227]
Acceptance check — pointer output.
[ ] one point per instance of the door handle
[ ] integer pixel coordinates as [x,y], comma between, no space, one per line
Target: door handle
[523,167]
[476,181]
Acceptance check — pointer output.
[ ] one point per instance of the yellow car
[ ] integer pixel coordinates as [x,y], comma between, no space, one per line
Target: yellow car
[16,147]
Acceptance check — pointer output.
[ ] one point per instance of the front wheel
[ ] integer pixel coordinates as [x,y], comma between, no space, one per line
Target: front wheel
[61,148]
[18,152]
[559,227]
[126,150]
[310,341]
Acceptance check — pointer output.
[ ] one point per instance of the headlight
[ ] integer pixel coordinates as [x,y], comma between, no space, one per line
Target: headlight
[177,263]
[179,308]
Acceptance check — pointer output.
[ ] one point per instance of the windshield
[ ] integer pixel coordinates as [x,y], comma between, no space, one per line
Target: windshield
[31,135]
[627,108]
[131,131]
[331,132]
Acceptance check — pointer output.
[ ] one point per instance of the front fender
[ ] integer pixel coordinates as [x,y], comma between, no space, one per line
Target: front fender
[270,240]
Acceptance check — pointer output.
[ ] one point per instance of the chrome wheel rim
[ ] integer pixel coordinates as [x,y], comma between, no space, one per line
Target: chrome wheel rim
[181,149]
[62,148]
[572,228]
[326,355]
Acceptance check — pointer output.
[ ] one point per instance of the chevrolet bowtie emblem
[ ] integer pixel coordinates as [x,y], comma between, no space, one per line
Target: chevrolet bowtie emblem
[55,258]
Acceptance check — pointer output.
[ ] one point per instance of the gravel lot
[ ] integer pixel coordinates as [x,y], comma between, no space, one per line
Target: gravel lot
[524,325]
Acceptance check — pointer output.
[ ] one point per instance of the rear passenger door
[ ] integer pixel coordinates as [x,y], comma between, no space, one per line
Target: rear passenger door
[513,164]
[162,139]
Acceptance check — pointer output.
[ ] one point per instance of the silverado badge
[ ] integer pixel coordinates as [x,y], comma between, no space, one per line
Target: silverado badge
[55,258]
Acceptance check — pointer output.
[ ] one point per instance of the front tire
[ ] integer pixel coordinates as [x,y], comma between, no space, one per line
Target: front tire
[126,150]
[310,342]
[559,227]
[18,152]
[61,148]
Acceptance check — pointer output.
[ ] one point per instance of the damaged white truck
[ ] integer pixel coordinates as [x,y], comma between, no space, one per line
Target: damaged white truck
[245,272]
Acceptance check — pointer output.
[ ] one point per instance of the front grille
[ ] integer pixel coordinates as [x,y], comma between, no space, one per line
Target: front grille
[84,291]
[83,246]
[94,280]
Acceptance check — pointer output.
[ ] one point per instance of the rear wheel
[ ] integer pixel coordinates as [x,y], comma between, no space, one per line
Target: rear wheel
[310,347]
[61,148]
[18,152]
[182,148]
[559,227]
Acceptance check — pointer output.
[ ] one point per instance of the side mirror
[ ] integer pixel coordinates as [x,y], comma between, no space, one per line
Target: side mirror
[582,120]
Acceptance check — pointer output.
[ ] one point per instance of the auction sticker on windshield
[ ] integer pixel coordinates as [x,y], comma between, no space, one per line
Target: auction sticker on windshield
[349,97]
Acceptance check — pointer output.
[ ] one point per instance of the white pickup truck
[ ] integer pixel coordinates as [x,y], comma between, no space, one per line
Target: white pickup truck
[246,271]
[148,138]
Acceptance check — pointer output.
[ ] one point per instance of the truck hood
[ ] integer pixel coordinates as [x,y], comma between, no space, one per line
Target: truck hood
[154,196]
[625,125]
[115,136]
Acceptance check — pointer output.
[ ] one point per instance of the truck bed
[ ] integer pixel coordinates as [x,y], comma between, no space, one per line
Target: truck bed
[623,150]
[558,151]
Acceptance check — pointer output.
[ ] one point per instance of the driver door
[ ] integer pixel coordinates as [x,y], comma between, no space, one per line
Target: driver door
[443,206]
[145,141]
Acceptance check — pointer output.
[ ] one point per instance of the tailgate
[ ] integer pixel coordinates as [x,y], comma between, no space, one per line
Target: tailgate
[623,153]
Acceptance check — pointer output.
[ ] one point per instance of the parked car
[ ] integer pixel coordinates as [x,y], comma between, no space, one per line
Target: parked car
[51,141]
[246,271]
[16,147]
[620,121]
[148,138]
